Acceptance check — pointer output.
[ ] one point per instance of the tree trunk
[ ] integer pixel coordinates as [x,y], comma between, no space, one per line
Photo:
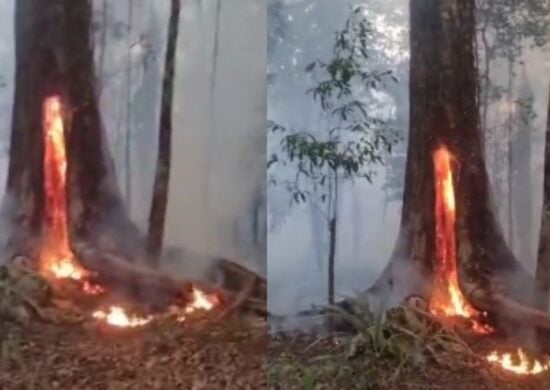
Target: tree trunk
[54,56]
[510,159]
[444,111]
[542,273]
[160,189]
[103,45]
[331,254]
[522,194]
[332,226]
[128,141]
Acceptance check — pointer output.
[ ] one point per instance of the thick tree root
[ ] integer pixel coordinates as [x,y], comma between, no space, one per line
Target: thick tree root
[508,308]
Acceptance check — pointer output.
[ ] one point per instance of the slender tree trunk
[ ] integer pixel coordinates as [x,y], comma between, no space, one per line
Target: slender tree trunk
[157,215]
[212,97]
[103,41]
[444,111]
[542,273]
[128,142]
[332,226]
[54,56]
[486,78]
[510,159]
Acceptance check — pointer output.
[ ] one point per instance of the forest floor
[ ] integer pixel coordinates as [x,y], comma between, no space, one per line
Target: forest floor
[313,362]
[317,361]
[197,354]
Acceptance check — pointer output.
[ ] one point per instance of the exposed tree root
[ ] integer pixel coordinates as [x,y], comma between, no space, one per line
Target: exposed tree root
[506,307]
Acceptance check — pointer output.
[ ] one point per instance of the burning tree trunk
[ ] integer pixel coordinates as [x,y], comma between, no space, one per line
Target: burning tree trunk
[54,63]
[449,236]
[542,272]
[162,176]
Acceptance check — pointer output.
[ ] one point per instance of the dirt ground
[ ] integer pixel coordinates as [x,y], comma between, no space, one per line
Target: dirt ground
[197,354]
[321,362]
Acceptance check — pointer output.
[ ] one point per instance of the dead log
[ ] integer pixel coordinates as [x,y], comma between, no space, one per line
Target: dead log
[235,277]
[154,289]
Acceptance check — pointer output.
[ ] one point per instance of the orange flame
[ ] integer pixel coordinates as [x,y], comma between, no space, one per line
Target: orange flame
[118,317]
[201,301]
[447,300]
[519,364]
[56,258]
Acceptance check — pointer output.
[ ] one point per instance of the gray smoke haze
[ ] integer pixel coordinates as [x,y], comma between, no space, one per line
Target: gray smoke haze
[216,204]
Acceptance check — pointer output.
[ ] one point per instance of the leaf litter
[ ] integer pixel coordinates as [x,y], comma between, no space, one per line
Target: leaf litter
[49,343]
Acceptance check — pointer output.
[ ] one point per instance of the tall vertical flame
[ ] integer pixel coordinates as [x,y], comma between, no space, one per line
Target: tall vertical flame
[447,299]
[56,258]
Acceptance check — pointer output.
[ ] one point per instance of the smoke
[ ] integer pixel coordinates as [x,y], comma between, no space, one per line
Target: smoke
[216,205]
[218,163]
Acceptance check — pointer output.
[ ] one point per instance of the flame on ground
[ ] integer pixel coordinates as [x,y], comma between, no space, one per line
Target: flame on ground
[117,316]
[447,300]
[201,301]
[518,363]
[56,257]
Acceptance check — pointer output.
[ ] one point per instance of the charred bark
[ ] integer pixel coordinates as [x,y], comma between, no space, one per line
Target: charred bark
[54,56]
[444,111]
[542,273]
[162,176]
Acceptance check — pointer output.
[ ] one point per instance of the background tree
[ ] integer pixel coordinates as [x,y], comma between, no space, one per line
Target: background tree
[162,176]
[522,180]
[504,29]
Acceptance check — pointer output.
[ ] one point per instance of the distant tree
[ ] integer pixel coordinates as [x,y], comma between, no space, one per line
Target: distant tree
[522,180]
[351,141]
[159,201]
[504,28]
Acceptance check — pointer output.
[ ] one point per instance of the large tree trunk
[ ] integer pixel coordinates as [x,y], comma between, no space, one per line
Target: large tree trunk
[542,273]
[444,111]
[54,56]
[162,176]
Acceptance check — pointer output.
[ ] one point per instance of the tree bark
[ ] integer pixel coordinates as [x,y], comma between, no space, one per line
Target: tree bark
[128,141]
[162,176]
[510,159]
[54,56]
[444,111]
[331,254]
[542,273]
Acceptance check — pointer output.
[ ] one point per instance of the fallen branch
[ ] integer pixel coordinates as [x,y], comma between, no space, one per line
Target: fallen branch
[157,290]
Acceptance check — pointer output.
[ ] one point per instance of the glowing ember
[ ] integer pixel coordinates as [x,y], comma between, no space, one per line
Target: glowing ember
[56,258]
[117,316]
[447,299]
[201,301]
[518,364]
